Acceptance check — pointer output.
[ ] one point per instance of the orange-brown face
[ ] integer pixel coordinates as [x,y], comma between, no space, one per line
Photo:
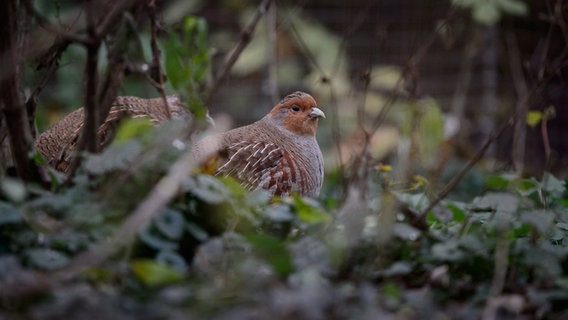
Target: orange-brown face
[298,112]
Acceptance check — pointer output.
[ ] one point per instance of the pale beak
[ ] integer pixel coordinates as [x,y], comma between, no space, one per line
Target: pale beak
[317,113]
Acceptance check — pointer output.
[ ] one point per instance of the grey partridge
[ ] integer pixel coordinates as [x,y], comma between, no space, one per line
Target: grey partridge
[278,153]
[58,143]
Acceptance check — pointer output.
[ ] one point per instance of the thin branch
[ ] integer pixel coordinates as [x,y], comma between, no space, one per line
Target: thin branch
[88,140]
[156,57]
[245,39]
[57,30]
[457,178]
[272,36]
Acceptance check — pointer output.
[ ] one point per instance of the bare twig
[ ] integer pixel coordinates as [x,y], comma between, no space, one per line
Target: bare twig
[156,56]
[272,35]
[60,32]
[457,178]
[246,36]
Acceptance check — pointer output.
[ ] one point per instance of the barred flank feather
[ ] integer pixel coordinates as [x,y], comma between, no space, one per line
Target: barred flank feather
[58,143]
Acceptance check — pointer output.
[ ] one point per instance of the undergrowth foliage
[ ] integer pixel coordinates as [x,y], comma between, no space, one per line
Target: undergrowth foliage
[492,248]
[218,250]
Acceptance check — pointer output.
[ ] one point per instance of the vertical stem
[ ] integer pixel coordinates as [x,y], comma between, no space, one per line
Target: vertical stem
[11,99]
[272,34]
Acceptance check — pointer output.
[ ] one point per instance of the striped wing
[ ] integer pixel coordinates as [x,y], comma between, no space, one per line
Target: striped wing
[260,164]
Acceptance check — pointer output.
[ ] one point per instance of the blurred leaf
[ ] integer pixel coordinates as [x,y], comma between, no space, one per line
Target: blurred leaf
[553,185]
[14,189]
[309,213]
[541,220]
[447,251]
[156,242]
[500,201]
[115,157]
[173,260]
[153,273]
[392,290]
[46,259]
[208,188]
[533,118]
[486,12]
[515,7]
[131,128]
[273,251]
[9,214]
[279,212]
[496,182]
[197,232]
[406,231]
[430,131]
[459,214]
[170,224]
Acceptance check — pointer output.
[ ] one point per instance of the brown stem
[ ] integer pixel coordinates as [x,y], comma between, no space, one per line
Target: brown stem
[246,36]
[13,108]
[156,56]
[457,178]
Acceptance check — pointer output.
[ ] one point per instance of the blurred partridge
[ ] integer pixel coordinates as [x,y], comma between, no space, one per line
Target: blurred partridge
[278,153]
[58,143]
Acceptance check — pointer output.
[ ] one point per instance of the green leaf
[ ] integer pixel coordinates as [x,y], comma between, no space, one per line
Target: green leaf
[486,12]
[392,290]
[131,128]
[459,214]
[514,7]
[273,251]
[47,259]
[153,273]
[498,182]
[533,118]
[170,223]
[309,213]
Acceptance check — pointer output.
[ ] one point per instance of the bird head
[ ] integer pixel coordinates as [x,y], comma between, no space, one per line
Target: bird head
[297,113]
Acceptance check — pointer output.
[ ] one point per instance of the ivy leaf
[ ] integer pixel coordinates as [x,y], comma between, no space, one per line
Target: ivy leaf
[273,251]
[9,214]
[515,7]
[132,127]
[486,12]
[497,182]
[47,259]
[553,185]
[114,157]
[309,213]
[171,224]
[173,260]
[153,273]
[156,242]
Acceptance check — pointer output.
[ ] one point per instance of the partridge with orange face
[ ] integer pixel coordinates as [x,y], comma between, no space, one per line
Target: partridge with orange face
[278,153]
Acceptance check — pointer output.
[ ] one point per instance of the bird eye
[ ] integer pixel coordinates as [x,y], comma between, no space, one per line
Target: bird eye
[295,108]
